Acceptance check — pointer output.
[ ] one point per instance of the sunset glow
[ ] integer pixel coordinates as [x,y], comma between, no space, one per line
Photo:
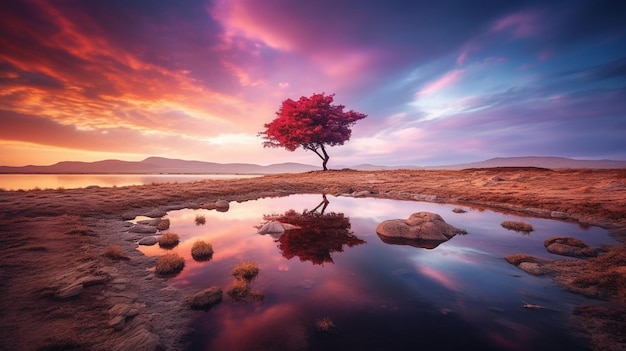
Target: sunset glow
[441,83]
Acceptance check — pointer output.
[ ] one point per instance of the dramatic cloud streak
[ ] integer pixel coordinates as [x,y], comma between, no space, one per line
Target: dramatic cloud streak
[454,81]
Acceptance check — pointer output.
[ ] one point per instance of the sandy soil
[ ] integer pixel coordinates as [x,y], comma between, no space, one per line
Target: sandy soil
[60,292]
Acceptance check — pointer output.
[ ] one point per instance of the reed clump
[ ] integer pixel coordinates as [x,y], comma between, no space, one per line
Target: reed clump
[517,226]
[169,264]
[200,220]
[169,240]
[201,250]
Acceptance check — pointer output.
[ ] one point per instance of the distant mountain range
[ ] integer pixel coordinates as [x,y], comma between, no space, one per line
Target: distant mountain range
[160,165]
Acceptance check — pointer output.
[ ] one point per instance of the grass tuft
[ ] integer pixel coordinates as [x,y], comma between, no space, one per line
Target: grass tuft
[201,251]
[200,220]
[169,240]
[517,226]
[325,325]
[164,224]
[246,271]
[114,252]
[169,264]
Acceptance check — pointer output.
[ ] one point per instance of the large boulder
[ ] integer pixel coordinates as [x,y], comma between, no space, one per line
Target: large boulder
[421,229]
[272,228]
[568,246]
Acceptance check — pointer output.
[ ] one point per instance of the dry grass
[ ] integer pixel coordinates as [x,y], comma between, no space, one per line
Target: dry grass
[245,271]
[605,276]
[517,226]
[169,240]
[201,250]
[114,252]
[200,220]
[325,325]
[169,264]
[164,224]
[239,290]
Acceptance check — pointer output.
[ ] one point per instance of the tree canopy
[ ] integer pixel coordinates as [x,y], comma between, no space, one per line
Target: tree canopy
[311,122]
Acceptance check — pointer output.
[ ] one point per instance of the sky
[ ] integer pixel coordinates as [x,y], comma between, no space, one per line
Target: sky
[442,82]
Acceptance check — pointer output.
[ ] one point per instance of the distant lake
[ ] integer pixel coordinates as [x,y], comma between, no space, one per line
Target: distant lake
[73,181]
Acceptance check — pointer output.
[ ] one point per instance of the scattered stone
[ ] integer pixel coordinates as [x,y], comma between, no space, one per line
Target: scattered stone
[423,227]
[153,222]
[148,241]
[458,210]
[69,291]
[155,213]
[362,193]
[206,299]
[142,229]
[558,214]
[272,227]
[222,205]
[425,197]
[568,246]
[93,280]
[117,322]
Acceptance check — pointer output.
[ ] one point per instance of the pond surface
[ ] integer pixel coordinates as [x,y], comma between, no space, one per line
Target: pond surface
[460,295]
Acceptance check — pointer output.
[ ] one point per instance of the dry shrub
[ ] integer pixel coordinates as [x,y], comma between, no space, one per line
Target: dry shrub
[169,240]
[114,252]
[169,264]
[201,250]
[164,224]
[517,226]
[605,276]
[200,220]
[239,290]
[325,325]
[246,271]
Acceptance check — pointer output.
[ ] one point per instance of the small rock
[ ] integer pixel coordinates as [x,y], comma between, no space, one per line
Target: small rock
[558,214]
[117,322]
[142,229]
[93,280]
[156,213]
[568,246]
[148,241]
[222,205]
[363,193]
[206,299]
[69,291]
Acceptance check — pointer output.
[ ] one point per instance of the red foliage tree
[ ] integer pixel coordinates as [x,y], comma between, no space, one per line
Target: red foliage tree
[310,122]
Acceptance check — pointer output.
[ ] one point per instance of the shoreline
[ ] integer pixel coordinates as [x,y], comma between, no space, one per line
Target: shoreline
[37,233]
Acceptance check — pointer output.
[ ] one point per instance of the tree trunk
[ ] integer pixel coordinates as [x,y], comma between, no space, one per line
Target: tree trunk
[325,158]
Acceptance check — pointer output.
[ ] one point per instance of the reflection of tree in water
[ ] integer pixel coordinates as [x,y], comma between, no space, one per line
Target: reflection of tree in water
[318,234]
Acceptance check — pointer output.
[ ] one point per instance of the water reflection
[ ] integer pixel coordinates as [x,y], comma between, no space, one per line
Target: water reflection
[316,235]
[380,297]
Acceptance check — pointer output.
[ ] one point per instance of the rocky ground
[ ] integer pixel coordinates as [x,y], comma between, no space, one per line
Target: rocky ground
[60,291]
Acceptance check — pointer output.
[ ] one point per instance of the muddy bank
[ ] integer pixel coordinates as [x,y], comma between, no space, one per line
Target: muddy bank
[55,240]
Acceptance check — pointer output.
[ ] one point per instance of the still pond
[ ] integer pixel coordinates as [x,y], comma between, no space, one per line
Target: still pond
[461,295]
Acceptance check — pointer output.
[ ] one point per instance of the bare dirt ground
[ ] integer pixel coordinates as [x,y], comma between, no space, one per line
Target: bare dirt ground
[60,292]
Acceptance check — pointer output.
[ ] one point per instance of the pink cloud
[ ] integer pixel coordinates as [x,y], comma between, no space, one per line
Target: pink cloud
[522,24]
[446,81]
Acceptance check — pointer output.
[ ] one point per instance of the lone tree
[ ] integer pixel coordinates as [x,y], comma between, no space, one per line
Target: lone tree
[310,122]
